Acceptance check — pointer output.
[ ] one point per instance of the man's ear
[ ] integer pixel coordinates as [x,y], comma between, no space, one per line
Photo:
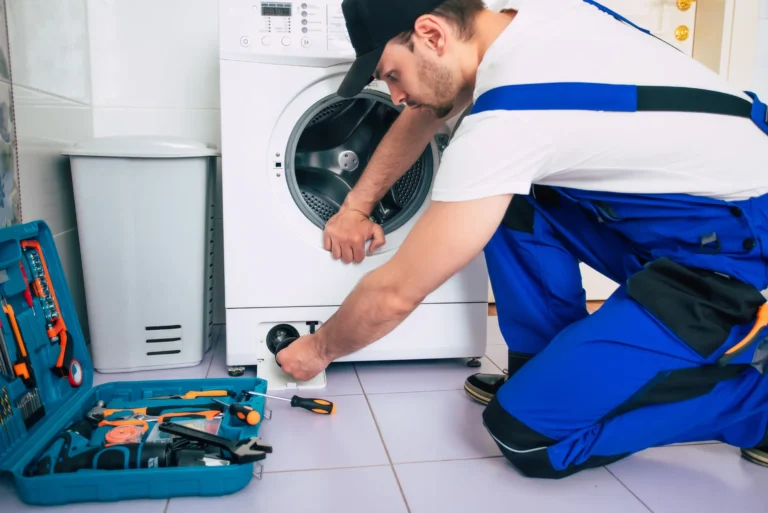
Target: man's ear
[432,32]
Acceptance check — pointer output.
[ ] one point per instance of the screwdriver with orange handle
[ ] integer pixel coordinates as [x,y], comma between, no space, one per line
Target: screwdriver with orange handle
[144,420]
[243,412]
[320,406]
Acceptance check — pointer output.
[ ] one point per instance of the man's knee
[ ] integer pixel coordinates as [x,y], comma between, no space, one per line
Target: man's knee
[527,449]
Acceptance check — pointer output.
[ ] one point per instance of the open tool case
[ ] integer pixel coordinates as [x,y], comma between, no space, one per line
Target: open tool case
[50,390]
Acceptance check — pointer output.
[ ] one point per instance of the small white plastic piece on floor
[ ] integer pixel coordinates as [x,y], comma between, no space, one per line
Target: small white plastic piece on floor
[258,470]
[277,379]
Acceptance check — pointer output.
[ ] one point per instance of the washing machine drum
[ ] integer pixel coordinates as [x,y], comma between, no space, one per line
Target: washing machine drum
[331,146]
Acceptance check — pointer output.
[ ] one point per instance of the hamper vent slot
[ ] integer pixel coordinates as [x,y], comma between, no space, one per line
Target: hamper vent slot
[157,328]
[156,340]
[158,353]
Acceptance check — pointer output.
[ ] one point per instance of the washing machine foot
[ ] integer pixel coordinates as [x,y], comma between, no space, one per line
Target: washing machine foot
[235,371]
[474,362]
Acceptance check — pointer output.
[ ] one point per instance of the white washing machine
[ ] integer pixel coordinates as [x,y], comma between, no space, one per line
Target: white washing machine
[291,150]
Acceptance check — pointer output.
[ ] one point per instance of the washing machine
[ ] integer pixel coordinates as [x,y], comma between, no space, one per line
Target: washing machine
[291,151]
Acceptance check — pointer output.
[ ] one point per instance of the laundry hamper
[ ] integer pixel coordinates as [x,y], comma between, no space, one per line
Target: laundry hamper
[145,208]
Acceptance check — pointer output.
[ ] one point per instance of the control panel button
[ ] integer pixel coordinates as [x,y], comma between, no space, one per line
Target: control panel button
[305,42]
[245,41]
[286,41]
[266,41]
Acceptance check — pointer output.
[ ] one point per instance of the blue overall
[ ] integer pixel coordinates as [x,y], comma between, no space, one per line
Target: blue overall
[649,368]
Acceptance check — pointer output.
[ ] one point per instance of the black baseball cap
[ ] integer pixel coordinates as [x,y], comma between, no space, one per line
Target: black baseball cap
[371,24]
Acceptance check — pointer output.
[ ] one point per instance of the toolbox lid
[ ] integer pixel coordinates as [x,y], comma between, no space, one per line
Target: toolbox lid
[55,393]
[141,146]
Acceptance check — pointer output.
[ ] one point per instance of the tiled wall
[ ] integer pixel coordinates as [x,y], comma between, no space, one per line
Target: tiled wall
[51,91]
[158,74]
[760,76]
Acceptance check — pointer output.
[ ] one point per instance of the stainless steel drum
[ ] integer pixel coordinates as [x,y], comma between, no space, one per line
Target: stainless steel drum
[330,148]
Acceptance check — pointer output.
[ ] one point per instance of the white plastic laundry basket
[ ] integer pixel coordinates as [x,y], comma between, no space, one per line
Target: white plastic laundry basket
[145,221]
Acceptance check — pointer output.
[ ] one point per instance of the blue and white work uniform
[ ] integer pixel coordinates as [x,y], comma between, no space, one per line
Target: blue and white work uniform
[627,155]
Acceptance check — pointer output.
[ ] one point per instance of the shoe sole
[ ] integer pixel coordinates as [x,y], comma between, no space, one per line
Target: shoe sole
[756,457]
[476,394]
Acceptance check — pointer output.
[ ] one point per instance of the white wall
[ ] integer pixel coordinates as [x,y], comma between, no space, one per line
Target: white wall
[51,92]
[155,70]
[760,76]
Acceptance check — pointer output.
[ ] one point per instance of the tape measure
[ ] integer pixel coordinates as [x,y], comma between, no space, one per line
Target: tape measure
[124,435]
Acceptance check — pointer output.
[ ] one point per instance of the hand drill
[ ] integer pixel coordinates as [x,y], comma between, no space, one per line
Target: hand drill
[70,453]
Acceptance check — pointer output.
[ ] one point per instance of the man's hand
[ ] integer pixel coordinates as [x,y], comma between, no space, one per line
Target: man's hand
[347,232]
[303,359]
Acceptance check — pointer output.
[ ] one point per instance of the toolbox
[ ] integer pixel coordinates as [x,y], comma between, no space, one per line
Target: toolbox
[59,435]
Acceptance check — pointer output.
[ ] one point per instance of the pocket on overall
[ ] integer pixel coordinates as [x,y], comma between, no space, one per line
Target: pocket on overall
[700,307]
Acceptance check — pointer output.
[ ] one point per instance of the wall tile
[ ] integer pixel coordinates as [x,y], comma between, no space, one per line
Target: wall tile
[763,10]
[199,124]
[146,53]
[9,191]
[49,46]
[5,70]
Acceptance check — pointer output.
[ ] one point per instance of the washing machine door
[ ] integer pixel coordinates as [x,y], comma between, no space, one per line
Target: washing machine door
[320,147]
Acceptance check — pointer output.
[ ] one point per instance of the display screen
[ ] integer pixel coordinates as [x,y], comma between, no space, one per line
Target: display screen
[275,9]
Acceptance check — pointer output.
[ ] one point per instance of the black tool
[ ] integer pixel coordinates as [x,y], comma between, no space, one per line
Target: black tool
[239,451]
[99,412]
[71,452]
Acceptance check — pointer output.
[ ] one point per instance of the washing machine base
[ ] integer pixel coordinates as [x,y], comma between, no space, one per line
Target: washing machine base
[432,331]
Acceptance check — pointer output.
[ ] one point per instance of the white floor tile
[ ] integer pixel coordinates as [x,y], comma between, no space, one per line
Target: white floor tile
[494,485]
[701,478]
[372,489]
[303,440]
[431,426]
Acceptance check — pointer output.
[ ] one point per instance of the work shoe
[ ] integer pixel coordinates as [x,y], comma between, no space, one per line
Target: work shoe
[482,387]
[756,456]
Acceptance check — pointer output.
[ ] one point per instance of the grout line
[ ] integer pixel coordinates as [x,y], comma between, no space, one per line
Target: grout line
[383,443]
[452,459]
[167,505]
[289,471]
[70,101]
[628,489]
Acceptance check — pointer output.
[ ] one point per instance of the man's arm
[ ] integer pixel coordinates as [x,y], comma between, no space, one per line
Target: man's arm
[442,242]
[400,147]
[347,232]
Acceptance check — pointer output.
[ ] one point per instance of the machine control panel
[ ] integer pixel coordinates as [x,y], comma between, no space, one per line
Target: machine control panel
[274,29]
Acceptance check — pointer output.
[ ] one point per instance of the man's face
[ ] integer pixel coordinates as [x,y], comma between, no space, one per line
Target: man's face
[420,76]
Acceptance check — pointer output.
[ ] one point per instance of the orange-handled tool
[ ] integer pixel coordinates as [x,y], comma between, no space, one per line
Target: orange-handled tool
[22,367]
[761,322]
[144,420]
[198,393]
[320,406]
[242,412]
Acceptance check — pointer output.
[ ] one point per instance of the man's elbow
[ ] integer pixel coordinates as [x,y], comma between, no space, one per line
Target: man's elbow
[396,299]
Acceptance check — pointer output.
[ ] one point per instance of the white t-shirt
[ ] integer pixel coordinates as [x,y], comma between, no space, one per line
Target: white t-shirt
[499,152]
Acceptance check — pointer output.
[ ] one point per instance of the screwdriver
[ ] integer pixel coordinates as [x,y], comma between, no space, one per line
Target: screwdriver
[320,406]
[242,412]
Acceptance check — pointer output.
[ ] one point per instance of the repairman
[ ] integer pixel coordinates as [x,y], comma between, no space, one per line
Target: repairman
[585,139]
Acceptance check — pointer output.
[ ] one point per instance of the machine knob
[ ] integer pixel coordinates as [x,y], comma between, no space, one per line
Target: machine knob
[245,41]
[286,41]
[266,41]
[305,42]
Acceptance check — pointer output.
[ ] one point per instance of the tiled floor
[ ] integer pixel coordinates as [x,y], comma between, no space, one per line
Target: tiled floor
[406,439]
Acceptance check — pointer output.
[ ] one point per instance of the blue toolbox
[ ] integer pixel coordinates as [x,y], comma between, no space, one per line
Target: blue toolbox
[66,441]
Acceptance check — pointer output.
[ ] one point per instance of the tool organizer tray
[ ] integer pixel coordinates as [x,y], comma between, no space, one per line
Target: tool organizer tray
[49,390]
